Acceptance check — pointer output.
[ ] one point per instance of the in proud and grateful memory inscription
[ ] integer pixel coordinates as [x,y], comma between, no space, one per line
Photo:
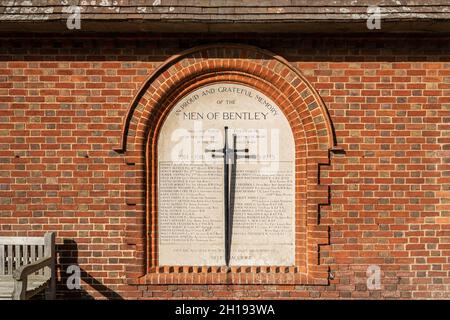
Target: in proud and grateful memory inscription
[253,219]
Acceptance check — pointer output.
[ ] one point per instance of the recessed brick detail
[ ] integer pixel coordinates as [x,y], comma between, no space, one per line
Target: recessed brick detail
[313,135]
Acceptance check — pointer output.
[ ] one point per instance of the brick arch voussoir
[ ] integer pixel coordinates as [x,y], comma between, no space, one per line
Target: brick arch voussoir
[261,74]
[290,112]
[276,71]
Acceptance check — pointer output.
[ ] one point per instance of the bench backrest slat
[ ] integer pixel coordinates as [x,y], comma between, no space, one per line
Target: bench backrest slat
[17,256]
[33,253]
[2,260]
[25,255]
[9,259]
[41,255]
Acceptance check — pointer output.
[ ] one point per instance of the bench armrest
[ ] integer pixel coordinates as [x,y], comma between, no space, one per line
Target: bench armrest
[22,272]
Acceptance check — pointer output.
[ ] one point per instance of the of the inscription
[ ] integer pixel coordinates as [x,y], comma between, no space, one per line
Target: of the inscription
[191,221]
[262,223]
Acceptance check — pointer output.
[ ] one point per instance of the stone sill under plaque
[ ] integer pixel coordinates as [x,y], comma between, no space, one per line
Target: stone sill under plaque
[226,275]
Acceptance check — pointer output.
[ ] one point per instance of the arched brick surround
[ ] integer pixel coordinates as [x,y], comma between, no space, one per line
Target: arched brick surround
[314,139]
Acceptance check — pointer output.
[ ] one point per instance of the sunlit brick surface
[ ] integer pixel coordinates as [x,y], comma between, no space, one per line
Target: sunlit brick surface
[62,105]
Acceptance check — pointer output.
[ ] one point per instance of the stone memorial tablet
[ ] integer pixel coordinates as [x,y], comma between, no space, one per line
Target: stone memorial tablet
[226,180]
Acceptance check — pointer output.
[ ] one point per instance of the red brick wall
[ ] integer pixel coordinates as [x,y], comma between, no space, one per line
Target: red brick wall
[62,104]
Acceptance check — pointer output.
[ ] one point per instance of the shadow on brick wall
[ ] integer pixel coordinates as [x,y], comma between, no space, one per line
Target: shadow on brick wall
[68,256]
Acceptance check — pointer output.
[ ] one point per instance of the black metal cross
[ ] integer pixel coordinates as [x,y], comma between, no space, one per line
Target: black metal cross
[229,162]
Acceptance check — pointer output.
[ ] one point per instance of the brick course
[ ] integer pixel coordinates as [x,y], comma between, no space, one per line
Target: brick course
[63,101]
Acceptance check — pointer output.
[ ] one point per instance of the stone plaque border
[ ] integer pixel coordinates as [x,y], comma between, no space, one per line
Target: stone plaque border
[314,143]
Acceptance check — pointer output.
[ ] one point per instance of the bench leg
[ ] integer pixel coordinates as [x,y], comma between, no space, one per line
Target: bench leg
[20,289]
[50,293]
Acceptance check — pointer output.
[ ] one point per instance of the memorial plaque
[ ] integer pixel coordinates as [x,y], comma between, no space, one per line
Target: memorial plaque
[248,211]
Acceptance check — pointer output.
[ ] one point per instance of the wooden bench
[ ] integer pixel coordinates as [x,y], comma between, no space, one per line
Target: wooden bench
[27,267]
